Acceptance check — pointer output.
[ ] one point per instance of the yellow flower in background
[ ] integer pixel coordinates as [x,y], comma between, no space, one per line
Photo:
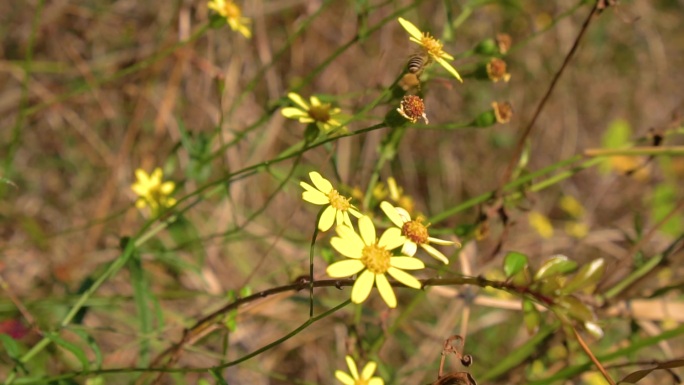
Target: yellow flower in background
[432,46]
[233,15]
[541,223]
[373,258]
[152,192]
[571,206]
[397,195]
[324,194]
[366,377]
[415,231]
[322,114]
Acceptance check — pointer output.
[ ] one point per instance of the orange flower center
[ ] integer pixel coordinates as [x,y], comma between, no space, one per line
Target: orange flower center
[416,231]
[231,11]
[376,259]
[320,113]
[338,201]
[432,45]
[413,108]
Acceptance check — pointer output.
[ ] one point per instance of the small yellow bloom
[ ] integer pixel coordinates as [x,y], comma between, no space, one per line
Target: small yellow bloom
[323,115]
[373,258]
[540,223]
[233,15]
[151,191]
[571,206]
[324,194]
[432,46]
[397,195]
[366,377]
[415,231]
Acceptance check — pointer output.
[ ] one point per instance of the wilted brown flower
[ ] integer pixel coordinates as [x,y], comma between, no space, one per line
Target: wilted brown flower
[504,41]
[496,70]
[503,112]
[412,108]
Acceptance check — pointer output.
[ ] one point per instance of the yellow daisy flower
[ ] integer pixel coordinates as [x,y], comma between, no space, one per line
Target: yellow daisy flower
[541,223]
[415,232]
[233,15]
[432,46]
[324,194]
[373,258]
[151,191]
[322,114]
[366,377]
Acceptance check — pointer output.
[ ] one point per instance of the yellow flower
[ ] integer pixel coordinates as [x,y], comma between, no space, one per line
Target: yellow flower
[324,194]
[571,206]
[322,114]
[432,46]
[233,15]
[373,258]
[496,70]
[540,223]
[151,191]
[415,231]
[366,374]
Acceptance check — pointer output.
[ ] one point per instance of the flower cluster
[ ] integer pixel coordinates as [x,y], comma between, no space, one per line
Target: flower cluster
[233,15]
[326,118]
[369,257]
[152,192]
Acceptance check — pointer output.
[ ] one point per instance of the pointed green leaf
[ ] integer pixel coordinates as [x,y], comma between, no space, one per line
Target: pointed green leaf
[588,276]
[73,349]
[556,265]
[514,262]
[522,278]
[576,309]
[550,286]
[11,346]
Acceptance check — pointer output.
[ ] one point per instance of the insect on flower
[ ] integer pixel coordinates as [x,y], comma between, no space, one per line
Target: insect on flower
[455,378]
[417,62]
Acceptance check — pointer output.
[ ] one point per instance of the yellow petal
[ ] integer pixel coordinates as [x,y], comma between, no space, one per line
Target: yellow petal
[140,189]
[367,230]
[339,215]
[404,277]
[368,370]
[344,378]
[298,100]
[167,188]
[407,263]
[349,235]
[156,176]
[347,220]
[352,367]
[442,242]
[385,290]
[293,113]
[344,268]
[321,183]
[409,248]
[362,286]
[141,176]
[344,247]
[410,28]
[391,238]
[315,101]
[327,218]
[391,213]
[449,68]
[140,203]
[376,381]
[354,212]
[316,197]
[405,216]
[435,253]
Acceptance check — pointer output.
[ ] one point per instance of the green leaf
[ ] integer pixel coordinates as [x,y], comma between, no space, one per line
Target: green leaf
[11,346]
[522,278]
[550,286]
[635,377]
[576,309]
[73,349]
[556,265]
[588,276]
[617,135]
[514,263]
[531,316]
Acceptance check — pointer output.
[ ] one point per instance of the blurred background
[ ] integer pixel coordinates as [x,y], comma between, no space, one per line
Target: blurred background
[90,91]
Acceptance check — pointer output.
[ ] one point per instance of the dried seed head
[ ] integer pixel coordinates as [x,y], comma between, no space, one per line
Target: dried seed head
[496,70]
[503,112]
[504,41]
[412,108]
